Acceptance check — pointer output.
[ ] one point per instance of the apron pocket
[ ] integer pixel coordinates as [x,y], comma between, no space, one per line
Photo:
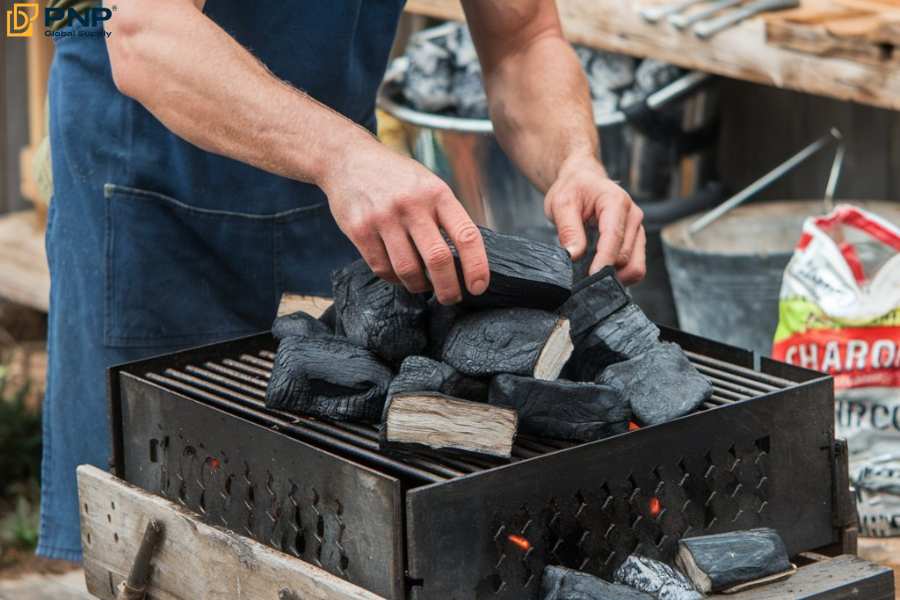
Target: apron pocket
[181,275]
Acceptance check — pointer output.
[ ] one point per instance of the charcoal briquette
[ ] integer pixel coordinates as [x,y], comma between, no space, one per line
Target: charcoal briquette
[560,583]
[560,409]
[328,377]
[655,578]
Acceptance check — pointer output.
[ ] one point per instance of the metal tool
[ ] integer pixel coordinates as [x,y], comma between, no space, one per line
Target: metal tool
[135,587]
[707,29]
[834,175]
[653,14]
[766,180]
[683,21]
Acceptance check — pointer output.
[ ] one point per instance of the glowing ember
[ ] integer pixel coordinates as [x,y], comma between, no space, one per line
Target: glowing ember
[655,506]
[632,426]
[214,464]
[519,541]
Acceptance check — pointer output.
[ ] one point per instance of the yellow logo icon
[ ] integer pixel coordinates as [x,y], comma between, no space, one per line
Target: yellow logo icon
[20,20]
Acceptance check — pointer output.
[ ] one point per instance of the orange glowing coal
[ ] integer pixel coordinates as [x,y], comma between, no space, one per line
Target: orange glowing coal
[655,506]
[214,464]
[520,542]
[632,426]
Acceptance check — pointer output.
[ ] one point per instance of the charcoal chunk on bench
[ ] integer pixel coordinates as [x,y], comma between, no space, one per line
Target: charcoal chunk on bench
[718,562]
[655,578]
[524,273]
[660,385]
[378,315]
[329,319]
[431,420]
[593,299]
[560,409]
[623,335]
[328,377]
[560,583]
[423,374]
[522,341]
[299,324]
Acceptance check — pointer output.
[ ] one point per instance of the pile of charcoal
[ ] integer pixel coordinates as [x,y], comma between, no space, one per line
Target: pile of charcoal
[533,354]
[725,562]
[444,76]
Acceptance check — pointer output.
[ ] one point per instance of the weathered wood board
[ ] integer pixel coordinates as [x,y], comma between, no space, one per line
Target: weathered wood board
[195,560]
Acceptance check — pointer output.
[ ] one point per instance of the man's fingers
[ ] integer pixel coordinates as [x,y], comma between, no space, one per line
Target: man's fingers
[636,268]
[405,260]
[567,217]
[374,253]
[469,244]
[632,227]
[438,259]
[612,222]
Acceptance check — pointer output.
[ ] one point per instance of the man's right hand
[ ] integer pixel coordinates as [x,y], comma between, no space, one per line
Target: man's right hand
[393,209]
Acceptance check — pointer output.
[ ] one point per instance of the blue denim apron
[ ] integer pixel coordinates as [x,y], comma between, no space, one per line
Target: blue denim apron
[155,245]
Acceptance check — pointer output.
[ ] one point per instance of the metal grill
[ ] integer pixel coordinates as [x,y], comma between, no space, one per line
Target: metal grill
[193,427]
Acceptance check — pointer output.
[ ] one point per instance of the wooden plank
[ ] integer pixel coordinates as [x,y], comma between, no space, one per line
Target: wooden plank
[312,305]
[884,551]
[841,578]
[24,276]
[195,560]
[740,52]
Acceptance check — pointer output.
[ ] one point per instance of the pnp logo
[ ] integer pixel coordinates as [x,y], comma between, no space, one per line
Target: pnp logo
[91,16]
[20,19]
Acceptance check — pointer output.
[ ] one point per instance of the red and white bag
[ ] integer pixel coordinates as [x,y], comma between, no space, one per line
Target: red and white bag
[839,312]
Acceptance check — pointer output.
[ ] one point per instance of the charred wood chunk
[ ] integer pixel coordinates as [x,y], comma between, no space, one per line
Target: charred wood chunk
[660,384]
[656,578]
[560,583]
[431,420]
[423,374]
[299,324]
[522,341]
[524,273]
[593,299]
[329,319]
[328,377]
[377,315]
[623,335]
[562,409]
[441,318]
[717,562]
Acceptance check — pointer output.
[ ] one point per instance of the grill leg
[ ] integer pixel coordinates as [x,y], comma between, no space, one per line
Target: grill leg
[135,587]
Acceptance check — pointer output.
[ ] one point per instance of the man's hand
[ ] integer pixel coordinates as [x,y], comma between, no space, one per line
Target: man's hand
[392,209]
[583,193]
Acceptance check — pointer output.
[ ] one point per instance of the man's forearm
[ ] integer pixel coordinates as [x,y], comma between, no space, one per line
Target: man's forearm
[545,118]
[205,87]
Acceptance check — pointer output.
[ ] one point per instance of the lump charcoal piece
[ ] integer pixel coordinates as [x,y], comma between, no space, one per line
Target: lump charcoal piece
[422,374]
[718,562]
[377,315]
[655,578]
[299,324]
[428,80]
[524,273]
[623,335]
[562,409]
[660,384]
[469,96]
[328,377]
[521,341]
[560,583]
[593,299]
[441,318]
[461,46]
[329,319]
[604,104]
[414,420]
[653,75]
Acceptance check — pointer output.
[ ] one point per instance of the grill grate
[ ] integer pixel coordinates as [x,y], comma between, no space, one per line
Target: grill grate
[239,384]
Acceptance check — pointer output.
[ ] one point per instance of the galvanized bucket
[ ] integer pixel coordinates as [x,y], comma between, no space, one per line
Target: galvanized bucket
[726,278]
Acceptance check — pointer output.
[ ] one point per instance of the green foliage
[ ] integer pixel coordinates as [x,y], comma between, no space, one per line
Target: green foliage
[19,529]
[20,438]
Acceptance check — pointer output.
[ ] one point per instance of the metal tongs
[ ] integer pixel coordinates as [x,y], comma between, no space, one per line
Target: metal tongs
[833,136]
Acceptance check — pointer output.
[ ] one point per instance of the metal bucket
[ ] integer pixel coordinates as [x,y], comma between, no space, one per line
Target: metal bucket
[726,279]
[465,153]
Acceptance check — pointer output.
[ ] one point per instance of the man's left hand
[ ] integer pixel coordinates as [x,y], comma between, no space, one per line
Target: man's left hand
[583,194]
